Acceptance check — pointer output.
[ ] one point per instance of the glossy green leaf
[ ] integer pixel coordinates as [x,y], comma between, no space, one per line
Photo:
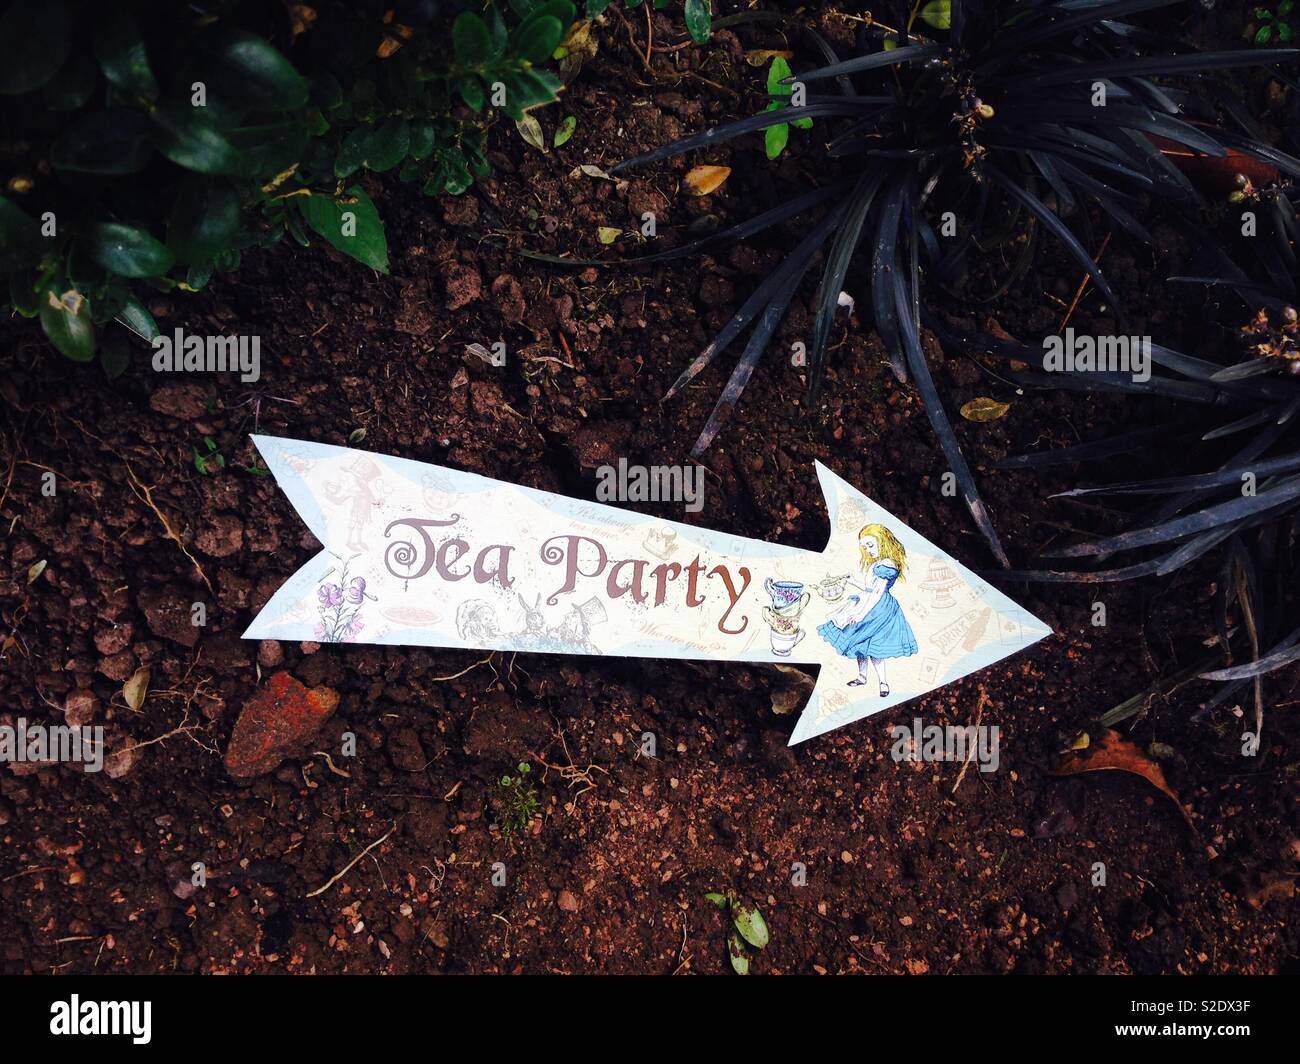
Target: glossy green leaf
[775,139]
[699,20]
[387,144]
[135,317]
[421,140]
[537,38]
[750,923]
[189,138]
[126,250]
[470,39]
[471,91]
[777,72]
[198,275]
[375,147]
[120,52]
[565,131]
[270,149]
[736,954]
[937,14]
[350,223]
[526,89]
[352,153]
[253,73]
[204,220]
[66,320]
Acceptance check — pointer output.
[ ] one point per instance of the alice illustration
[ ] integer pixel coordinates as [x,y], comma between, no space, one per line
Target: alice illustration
[871,626]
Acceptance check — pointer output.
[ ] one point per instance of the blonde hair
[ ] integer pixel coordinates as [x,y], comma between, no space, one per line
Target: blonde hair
[889,547]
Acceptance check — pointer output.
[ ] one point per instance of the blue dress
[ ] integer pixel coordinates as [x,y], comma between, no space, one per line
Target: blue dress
[882,633]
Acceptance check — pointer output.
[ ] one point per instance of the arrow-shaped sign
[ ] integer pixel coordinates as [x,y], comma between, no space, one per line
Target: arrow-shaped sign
[418,554]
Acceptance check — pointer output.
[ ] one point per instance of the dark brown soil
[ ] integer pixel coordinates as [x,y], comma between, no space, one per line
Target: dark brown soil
[905,871]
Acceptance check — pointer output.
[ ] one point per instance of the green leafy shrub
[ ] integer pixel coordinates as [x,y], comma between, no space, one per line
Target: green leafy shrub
[515,800]
[1272,25]
[147,145]
[698,14]
[993,117]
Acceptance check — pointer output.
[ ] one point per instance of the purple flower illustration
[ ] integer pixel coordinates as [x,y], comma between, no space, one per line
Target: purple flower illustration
[341,603]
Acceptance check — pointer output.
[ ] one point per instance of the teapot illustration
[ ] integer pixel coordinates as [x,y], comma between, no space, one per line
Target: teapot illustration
[832,588]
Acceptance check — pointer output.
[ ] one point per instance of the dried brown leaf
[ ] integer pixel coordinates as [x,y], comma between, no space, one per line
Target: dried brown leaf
[984,409]
[1116,753]
[701,180]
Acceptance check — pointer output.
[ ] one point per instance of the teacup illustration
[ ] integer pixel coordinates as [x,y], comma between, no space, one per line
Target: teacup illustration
[780,624]
[832,588]
[783,592]
[795,608]
[783,644]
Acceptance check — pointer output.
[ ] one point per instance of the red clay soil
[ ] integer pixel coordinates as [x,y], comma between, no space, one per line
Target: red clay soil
[906,870]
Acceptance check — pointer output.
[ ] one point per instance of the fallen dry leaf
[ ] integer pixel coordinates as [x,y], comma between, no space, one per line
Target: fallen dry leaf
[397,33]
[301,17]
[760,57]
[1116,752]
[984,409]
[702,180]
[135,688]
[531,130]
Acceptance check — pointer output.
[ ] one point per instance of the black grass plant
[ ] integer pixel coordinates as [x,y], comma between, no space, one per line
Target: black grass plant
[1243,501]
[1050,112]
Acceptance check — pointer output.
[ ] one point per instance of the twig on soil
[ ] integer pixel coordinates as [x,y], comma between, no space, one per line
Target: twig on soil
[380,871]
[1248,615]
[1083,285]
[28,872]
[64,482]
[435,878]
[970,750]
[458,675]
[683,958]
[333,767]
[352,863]
[631,36]
[145,495]
[570,773]
[183,728]
[713,84]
